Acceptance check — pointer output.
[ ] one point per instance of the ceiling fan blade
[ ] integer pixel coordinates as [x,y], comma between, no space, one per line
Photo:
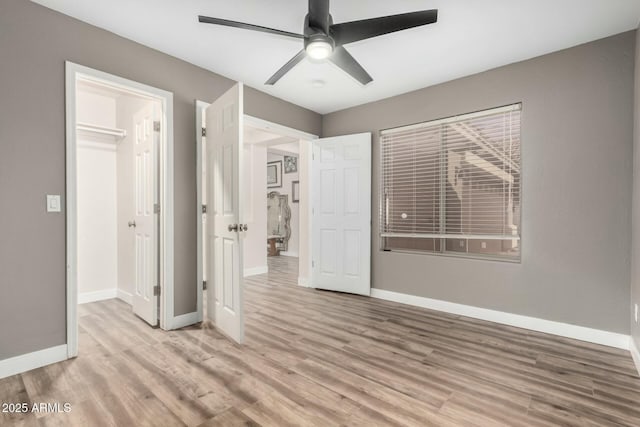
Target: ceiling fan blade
[319,14]
[348,32]
[244,26]
[344,60]
[286,68]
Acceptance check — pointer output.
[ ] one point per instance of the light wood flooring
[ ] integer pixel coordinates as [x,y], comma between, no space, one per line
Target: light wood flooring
[327,359]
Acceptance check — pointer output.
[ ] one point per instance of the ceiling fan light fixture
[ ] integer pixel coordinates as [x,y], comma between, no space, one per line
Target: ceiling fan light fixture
[319,49]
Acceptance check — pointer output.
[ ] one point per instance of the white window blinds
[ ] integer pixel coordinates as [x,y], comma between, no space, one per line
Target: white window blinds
[454,183]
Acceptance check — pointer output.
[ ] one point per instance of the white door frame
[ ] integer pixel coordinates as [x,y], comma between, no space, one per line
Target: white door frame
[73,73]
[256,123]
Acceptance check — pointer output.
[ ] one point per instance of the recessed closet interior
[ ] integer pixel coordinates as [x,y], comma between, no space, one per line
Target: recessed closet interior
[107,121]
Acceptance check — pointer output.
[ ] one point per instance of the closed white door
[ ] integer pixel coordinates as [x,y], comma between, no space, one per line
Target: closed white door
[145,221]
[224,119]
[341,214]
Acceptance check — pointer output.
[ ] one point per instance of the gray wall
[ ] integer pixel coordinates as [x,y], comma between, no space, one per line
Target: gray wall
[34,44]
[635,260]
[577,171]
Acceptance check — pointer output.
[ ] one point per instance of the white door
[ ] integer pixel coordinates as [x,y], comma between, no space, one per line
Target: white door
[224,119]
[341,214]
[145,221]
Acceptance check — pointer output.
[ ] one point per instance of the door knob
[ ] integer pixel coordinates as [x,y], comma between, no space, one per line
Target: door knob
[131,224]
[244,227]
[233,227]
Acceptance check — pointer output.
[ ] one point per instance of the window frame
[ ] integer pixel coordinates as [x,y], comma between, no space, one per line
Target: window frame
[443,252]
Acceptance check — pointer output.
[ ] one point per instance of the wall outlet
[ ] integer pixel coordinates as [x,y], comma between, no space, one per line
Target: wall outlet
[484,245]
[636,312]
[461,244]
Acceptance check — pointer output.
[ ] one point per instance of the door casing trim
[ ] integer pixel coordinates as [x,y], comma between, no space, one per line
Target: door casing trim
[73,73]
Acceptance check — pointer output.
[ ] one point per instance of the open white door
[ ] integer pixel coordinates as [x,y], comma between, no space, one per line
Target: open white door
[341,214]
[225,223]
[145,221]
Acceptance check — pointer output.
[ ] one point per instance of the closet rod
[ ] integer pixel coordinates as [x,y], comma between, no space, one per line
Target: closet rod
[119,133]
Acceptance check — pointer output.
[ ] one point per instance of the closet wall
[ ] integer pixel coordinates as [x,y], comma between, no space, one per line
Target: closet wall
[97,237]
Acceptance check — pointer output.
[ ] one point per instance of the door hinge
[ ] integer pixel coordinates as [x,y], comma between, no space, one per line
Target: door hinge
[204,131]
[156,126]
[156,208]
[156,291]
[313,264]
[204,208]
[204,285]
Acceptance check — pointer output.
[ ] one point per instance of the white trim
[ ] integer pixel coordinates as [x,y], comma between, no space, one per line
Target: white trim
[303,281]
[482,113]
[597,336]
[37,359]
[73,72]
[86,297]
[289,253]
[254,271]
[308,280]
[277,128]
[125,296]
[200,107]
[250,121]
[635,353]
[185,320]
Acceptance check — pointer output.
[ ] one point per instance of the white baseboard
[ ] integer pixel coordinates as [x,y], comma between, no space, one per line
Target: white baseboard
[125,296]
[26,362]
[611,339]
[635,353]
[85,297]
[184,320]
[303,281]
[254,271]
[289,253]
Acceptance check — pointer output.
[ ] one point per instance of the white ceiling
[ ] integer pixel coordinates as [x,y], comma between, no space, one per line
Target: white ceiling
[470,36]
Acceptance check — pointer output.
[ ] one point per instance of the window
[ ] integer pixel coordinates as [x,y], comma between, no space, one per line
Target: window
[452,186]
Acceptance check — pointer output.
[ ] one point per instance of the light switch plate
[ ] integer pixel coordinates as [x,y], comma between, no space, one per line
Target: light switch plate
[53,203]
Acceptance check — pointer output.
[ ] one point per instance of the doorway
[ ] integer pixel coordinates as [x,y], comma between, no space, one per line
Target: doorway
[261,140]
[337,245]
[119,196]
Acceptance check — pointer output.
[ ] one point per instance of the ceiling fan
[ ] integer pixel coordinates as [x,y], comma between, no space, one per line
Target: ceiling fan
[325,40]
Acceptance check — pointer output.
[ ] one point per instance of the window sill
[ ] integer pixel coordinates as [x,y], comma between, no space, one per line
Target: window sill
[475,257]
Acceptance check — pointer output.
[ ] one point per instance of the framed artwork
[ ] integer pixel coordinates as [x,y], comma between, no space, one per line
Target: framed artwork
[295,191]
[274,174]
[290,164]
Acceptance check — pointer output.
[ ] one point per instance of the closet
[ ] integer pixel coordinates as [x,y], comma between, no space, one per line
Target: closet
[108,122]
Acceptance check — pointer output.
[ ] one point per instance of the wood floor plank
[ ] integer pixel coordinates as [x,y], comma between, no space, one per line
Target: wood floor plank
[319,358]
[230,418]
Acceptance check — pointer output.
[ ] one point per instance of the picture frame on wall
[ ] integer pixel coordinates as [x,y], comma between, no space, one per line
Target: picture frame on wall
[274,174]
[290,164]
[295,191]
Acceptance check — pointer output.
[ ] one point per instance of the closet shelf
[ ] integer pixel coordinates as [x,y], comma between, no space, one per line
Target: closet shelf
[102,130]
